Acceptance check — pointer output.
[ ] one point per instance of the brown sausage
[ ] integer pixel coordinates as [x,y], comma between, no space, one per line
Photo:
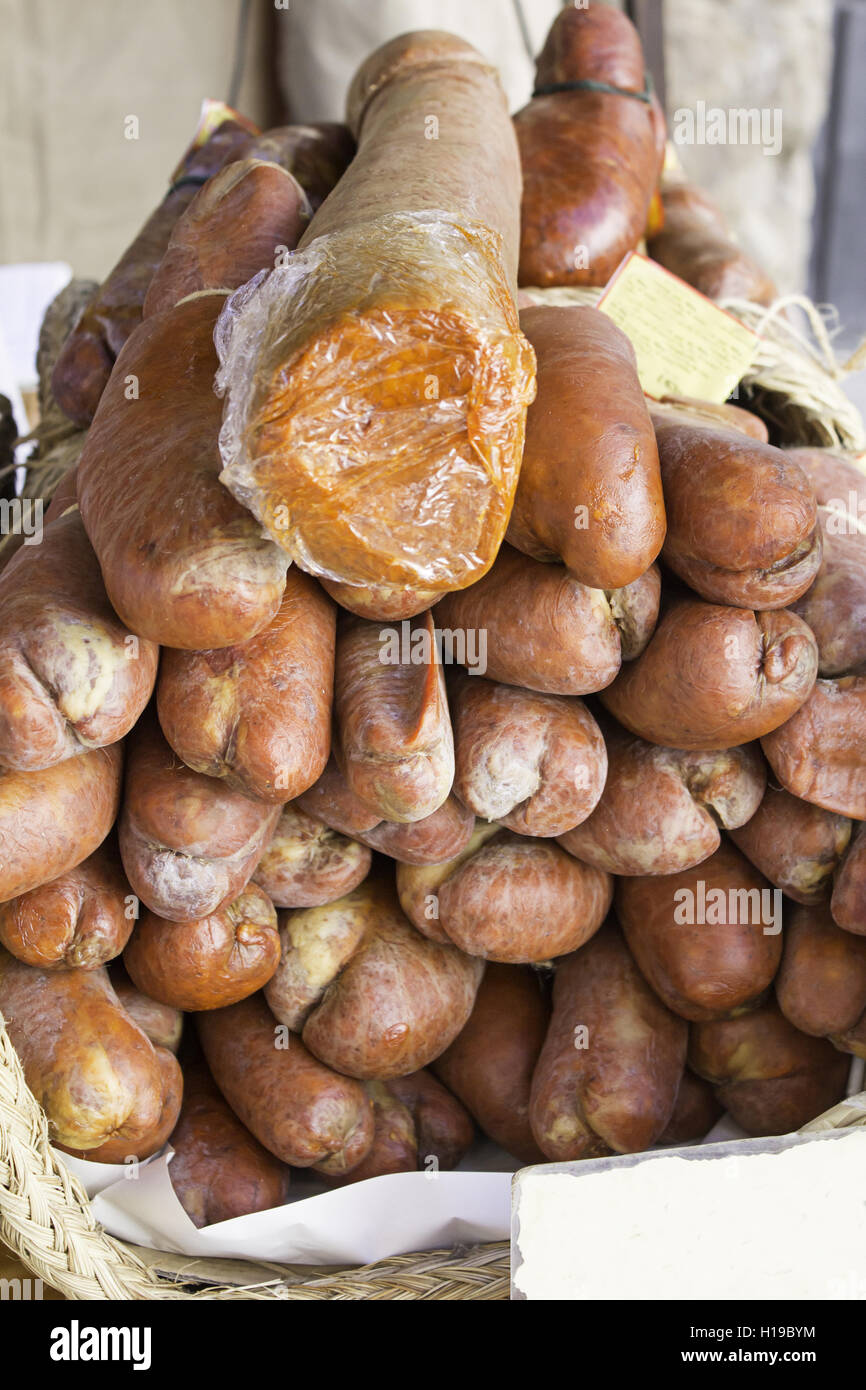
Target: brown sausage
[821,985]
[720,414]
[742,516]
[661,808]
[714,677]
[160,1022]
[377,386]
[121,1150]
[589,494]
[85,362]
[307,863]
[543,630]
[771,1078]
[210,963]
[696,1111]
[708,939]
[489,1065]
[443,1126]
[395,1142]
[795,845]
[372,997]
[52,820]
[848,903]
[427,841]
[819,753]
[189,845]
[317,154]
[610,1069]
[79,920]
[695,244]
[835,606]
[219,1170]
[233,228]
[507,897]
[393,735]
[300,1110]
[536,763]
[590,158]
[183,563]
[91,1068]
[71,675]
[258,715]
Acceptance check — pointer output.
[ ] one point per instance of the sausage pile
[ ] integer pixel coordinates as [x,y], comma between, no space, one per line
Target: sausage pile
[435,792]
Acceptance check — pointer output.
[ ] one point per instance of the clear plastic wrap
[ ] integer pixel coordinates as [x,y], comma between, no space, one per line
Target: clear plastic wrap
[375,391]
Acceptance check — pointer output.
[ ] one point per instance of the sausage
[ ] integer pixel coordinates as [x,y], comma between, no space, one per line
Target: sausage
[819,753]
[821,985]
[770,1078]
[507,898]
[795,845]
[848,903]
[121,1150]
[742,519]
[590,158]
[544,630]
[694,243]
[590,492]
[258,715]
[183,563]
[395,1143]
[443,1126]
[715,677]
[77,921]
[50,821]
[233,228]
[489,1065]
[661,808]
[91,1068]
[377,385]
[85,362]
[160,1022]
[718,413]
[835,606]
[189,845]
[317,154]
[708,939]
[696,1111]
[219,1170]
[535,763]
[610,1068]
[393,741]
[210,963]
[307,863]
[71,675]
[438,836]
[371,997]
[302,1112]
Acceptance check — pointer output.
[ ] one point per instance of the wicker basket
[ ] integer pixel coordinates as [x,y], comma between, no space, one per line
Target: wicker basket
[45,1214]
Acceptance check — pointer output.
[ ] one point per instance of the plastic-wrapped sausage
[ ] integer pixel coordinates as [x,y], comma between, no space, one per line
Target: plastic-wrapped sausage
[589,494]
[377,385]
[258,715]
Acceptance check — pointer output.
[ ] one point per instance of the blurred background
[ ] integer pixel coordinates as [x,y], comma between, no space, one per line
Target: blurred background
[74,187]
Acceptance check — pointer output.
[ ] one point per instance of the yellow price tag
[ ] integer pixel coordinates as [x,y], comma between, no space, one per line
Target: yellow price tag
[684,343]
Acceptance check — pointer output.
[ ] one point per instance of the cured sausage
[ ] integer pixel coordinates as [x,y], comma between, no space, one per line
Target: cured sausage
[377,385]
[160,1022]
[589,494]
[821,985]
[694,243]
[307,863]
[819,752]
[795,845]
[258,715]
[189,844]
[75,922]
